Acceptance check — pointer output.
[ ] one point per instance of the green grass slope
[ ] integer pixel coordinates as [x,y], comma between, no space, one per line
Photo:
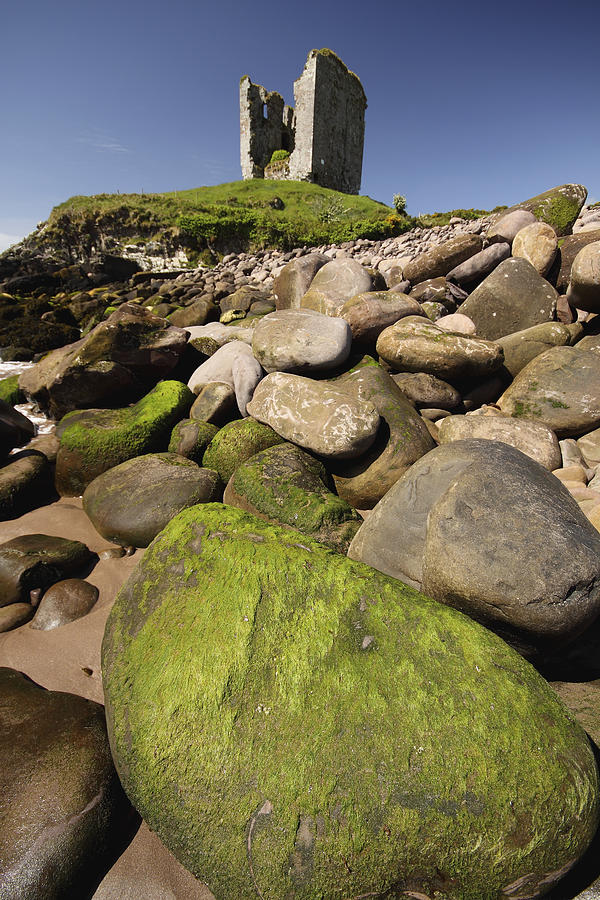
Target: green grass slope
[251,214]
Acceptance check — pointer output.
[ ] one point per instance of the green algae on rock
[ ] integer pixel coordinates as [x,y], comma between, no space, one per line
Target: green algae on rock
[10,391]
[94,440]
[235,443]
[288,486]
[294,724]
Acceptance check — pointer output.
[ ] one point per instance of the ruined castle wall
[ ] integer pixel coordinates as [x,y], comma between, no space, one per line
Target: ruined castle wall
[325,134]
[265,125]
[339,126]
[301,160]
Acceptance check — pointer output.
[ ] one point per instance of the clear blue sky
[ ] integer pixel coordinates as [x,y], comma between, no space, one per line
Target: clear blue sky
[470,103]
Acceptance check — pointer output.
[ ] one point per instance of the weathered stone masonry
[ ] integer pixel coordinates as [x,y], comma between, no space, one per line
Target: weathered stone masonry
[324,134]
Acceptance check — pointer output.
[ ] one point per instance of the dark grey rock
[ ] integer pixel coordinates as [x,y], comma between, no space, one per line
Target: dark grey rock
[64,602]
[513,297]
[38,561]
[62,808]
[132,502]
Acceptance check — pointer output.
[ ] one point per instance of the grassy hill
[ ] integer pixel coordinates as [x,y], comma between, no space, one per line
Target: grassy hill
[240,215]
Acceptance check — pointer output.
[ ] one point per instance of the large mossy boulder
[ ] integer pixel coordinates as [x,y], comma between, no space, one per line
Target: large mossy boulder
[123,356]
[94,440]
[559,207]
[288,486]
[294,724]
[62,809]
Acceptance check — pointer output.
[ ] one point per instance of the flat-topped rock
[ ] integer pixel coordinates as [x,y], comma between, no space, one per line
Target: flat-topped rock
[532,438]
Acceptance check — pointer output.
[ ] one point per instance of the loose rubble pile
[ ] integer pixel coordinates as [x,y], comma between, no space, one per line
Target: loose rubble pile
[305,442]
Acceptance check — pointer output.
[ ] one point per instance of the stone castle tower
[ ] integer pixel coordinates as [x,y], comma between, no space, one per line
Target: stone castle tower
[324,135]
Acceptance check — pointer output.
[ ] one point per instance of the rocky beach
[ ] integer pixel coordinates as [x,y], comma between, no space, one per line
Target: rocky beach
[300,565]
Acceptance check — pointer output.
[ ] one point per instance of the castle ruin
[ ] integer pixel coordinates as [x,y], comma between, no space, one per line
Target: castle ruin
[323,135]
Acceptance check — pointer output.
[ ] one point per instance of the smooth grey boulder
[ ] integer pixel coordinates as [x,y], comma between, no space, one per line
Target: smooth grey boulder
[481,264]
[426,390]
[537,243]
[132,502]
[521,347]
[316,415]
[37,561]
[64,602]
[584,285]
[295,278]
[368,314]
[442,258]
[505,229]
[402,438]
[335,283]
[480,526]
[415,345]
[285,485]
[513,297]
[63,811]
[532,438]
[301,341]
[234,364]
[560,388]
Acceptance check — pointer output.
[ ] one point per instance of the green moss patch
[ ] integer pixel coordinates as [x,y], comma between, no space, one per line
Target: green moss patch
[294,724]
[288,486]
[10,391]
[93,441]
[236,442]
